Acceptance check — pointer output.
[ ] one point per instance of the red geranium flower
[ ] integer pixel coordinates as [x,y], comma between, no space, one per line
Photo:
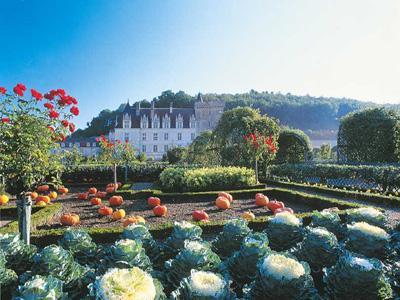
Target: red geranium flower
[35,94]
[53,114]
[65,123]
[3,90]
[71,127]
[5,120]
[74,110]
[49,96]
[19,89]
[48,105]
[61,92]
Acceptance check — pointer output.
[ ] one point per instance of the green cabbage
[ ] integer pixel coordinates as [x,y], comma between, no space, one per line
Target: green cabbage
[142,233]
[242,265]
[368,240]
[84,250]
[19,256]
[181,232]
[231,237]
[356,277]
[201,285]
[281,276]
[366,214]
[8,278]
[319,248]
[126,254]
[195,255]
[41,287]
[284,231]
[328,219]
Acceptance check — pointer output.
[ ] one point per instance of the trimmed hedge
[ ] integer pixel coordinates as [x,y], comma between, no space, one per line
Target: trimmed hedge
[387,177]
[206,179]
[369,197]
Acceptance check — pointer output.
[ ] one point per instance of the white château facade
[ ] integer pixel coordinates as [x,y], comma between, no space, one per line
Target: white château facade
[156,130]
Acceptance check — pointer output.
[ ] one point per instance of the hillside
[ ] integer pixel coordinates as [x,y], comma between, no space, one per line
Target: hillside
[318,116]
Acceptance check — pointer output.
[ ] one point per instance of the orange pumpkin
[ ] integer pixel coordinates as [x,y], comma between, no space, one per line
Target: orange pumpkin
[43,188]
[63,190]
[261,200]
[226,195]
[53,195]
[160,211]
[69,219]
[33,195]
[95,201]
[45,199]
[115,200]
[41,203]
[118,214]
[92,191]
[110,190]
[153,201]
[248,215]
[83,196]
[101,194]
[222,203]
[105,210]
[3,199]
[133,220]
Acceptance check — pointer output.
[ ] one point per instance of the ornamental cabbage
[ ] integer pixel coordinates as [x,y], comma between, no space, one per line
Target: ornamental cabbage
[203,285]
[142,233]
[231,237]
[242,265]
[181,232]
[195,255]
[19,256]
[356,277]
[8,278]
[366,239]
[328,219]
[126,254]
[84,250]
[41,287]
[284,231]
[366,214]
[126,284]
[319,248]
[281,276]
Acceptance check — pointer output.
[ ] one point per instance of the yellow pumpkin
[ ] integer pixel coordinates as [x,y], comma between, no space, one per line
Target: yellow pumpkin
[53,195]
[41,203]
[118,214]
[3,199]
[133,220]
[248,215]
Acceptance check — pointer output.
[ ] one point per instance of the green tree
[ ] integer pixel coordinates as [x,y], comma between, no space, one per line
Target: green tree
[203,150]
[371,135]
[72,157]
[294,146]
[176,155]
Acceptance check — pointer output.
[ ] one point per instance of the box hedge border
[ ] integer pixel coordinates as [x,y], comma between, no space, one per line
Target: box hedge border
[369,197]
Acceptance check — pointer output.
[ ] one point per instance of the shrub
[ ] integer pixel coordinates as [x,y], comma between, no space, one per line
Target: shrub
[294,146]
[206,179]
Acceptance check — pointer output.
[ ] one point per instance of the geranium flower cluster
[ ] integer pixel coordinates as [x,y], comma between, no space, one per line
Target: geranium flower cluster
[257,140]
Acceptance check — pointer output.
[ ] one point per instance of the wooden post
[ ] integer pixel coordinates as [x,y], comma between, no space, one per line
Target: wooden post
[256,170]
[126,173]
[24,209]
[115,177]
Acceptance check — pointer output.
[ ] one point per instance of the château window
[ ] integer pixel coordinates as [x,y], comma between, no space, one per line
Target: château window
[156,122]
[143,148]
[143,136]
[166,136]
[179,121]
[155,136]
[166,121]
[165,148]
[144,123]
[192,122]
[179,136]
[127,122]
[155,148]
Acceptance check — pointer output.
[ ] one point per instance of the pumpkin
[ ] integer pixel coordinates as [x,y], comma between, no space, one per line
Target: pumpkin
[118,214]
[248,215]
[45,199]
[274,205]
[153,201]
[105,210]
[283,209]
[160,211]
[226,195]
[3,199]
[133,220]
[41,203]
[33,195]
[200,215]
[101,194]
[115,200]
[63,190]
[110,190]
[95,201]
[69,219]
[92,191]
[110,185]
[53,195]
[222,203]
[261,200]
[43,188]
[83,196]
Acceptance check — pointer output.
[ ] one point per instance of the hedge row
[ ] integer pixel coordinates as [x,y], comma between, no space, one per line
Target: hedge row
[206,179]
[369,197]
[387,177]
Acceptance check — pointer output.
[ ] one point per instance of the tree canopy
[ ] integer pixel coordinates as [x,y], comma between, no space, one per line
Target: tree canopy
[294,146]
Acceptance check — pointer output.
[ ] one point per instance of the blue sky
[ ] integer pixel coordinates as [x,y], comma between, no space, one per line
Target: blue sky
[104,51]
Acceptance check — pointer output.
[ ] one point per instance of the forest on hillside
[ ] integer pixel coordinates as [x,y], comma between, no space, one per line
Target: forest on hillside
[317,116]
